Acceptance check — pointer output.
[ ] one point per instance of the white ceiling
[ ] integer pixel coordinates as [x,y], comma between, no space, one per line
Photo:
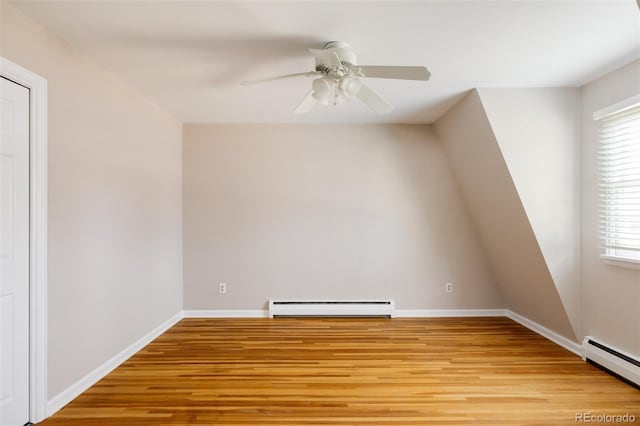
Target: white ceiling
[190,56]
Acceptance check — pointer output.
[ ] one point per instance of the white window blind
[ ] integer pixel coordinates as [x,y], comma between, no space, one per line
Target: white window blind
[619,166]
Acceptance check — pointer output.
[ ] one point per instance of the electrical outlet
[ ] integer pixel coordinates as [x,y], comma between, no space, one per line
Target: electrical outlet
[222,288]
[449,287]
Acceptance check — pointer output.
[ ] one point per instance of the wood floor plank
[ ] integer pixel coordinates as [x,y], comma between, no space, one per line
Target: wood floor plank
[350,371]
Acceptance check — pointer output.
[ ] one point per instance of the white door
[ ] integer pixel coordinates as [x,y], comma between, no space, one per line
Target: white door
[14,253]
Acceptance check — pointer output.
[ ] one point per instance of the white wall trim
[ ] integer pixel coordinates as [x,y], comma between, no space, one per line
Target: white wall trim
[618,106]
[399,313]
[235,313]
[444,313]
[569,345]
[37,233]
[621,262]
[70,393]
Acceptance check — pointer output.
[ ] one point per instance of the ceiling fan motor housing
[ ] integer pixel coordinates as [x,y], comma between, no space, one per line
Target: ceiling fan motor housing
[339,48]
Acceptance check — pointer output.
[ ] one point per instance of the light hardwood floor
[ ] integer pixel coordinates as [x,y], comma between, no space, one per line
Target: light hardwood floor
[345,371]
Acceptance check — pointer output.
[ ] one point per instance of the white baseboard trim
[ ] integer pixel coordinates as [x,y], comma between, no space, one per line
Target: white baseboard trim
[399,313]
[444,313]
[568,344]
[233,313]
[70,393]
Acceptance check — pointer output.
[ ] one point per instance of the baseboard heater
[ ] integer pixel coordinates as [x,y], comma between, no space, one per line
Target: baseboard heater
[621,364]
[333,308]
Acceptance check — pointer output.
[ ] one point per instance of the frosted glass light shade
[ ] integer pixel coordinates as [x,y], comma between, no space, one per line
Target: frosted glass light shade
[322,89]
[349,87]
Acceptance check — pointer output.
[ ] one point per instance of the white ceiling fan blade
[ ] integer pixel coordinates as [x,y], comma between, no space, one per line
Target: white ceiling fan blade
[280,77]
[399,73]
[306,104]
[374,101]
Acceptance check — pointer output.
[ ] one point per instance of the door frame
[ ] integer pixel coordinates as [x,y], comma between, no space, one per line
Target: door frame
[37,234]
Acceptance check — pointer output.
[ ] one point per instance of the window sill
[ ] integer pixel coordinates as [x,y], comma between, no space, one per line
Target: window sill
[621,262]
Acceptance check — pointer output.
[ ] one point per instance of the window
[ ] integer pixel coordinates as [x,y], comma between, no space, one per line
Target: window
[619,166]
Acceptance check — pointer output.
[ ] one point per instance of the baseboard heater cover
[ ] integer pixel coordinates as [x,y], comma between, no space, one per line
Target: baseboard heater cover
[335,308]
[622,364]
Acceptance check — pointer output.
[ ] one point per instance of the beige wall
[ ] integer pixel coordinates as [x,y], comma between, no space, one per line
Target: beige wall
[538,132]
[326,211]
[498,212]
[114,205]
[610,294]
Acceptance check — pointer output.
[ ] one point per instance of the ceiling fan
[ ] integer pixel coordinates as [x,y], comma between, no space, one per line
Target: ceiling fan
[339,79]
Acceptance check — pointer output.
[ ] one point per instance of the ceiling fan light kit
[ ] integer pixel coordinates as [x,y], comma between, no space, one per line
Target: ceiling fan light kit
[339,79]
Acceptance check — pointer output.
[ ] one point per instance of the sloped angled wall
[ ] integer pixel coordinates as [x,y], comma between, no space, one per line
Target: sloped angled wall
[538,134]
[498,212]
